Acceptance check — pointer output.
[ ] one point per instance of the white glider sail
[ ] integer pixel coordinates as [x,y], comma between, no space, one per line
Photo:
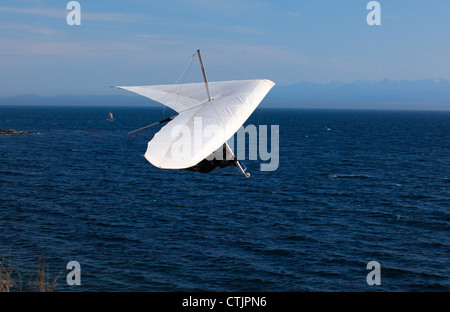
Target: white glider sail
[205,120]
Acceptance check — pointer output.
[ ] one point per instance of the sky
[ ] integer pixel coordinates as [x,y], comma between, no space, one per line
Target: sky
[138,42]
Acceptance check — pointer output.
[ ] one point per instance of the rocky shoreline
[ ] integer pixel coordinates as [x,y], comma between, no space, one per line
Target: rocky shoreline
[11,132]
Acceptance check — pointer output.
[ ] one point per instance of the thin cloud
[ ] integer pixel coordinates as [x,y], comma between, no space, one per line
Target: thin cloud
[68,48]
[157,39]
[393,17]
[108,17]
[294,14]
[35,11]
[15,28]
[59,13]
[147,36]
[230,5]
[245,30]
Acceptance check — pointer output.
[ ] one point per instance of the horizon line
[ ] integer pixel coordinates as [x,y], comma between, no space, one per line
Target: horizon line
[436,80]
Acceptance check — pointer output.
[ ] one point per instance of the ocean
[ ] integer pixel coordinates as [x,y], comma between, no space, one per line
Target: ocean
[352,186]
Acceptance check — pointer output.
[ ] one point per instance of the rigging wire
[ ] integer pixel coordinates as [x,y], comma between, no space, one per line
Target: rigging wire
[186,69]
[182,75]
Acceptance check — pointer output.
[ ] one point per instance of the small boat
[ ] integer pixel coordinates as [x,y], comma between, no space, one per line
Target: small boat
[111,117]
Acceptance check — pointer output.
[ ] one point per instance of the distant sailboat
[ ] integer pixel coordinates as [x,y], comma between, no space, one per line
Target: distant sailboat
[111,117]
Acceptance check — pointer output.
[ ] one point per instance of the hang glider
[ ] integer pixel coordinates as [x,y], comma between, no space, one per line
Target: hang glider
[209,114]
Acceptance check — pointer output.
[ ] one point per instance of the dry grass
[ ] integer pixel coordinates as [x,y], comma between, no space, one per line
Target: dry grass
[7,282]
[39,282]
[42,281]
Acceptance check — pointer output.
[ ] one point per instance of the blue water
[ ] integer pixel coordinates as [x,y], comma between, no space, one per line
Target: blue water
[351,187]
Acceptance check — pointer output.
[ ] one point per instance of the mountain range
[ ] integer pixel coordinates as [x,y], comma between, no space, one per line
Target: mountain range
[426,94]
[384,94]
